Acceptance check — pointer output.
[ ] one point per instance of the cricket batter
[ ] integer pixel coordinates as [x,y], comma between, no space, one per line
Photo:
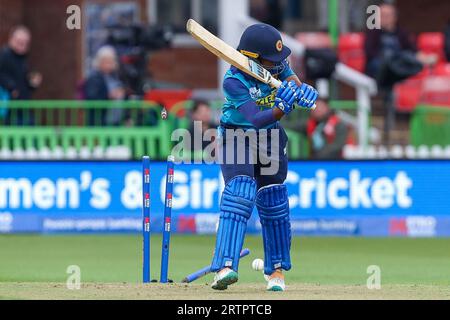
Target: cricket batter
[253,105]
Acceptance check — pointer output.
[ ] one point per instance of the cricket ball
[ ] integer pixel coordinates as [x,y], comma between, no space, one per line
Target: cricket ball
[164,114]
[258,264]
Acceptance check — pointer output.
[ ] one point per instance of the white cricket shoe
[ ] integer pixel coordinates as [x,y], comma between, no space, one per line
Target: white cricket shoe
[275,282]
[224,278]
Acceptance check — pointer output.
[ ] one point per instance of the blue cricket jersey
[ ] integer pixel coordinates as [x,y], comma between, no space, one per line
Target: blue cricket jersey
[246,89]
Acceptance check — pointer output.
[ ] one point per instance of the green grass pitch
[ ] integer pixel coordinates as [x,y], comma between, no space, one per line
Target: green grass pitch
[34,266]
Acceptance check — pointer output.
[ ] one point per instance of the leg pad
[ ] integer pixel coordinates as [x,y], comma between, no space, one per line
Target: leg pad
[273,208]
[236,207]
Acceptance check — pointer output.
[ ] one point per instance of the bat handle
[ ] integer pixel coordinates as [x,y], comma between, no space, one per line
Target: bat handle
[308,109]
[274,83]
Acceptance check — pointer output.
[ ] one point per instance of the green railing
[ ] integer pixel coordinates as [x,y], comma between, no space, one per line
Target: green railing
[343,104]
[430,125]
[140,141]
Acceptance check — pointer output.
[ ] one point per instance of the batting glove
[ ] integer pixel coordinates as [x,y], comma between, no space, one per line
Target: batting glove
[307,97]
[286,96]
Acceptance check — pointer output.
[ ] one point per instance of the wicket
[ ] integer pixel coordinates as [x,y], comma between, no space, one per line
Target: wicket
[146,219]
[167,220]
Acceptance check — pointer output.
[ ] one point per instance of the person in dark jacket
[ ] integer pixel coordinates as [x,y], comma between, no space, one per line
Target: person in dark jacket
[15,77]
[104,84]
[381,44]
[392,57]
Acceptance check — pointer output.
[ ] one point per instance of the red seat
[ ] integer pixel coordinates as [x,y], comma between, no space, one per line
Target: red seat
[351,50]
[407,94]
[432,42]
[430,86]
[169,97]
[442,69]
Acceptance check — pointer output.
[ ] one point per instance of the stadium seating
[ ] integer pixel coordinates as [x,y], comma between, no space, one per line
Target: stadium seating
[351,50]
[442,69]
[407,93]
[432,42]
[431,86]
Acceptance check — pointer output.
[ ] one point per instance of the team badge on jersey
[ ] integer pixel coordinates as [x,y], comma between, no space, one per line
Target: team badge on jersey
[255,93]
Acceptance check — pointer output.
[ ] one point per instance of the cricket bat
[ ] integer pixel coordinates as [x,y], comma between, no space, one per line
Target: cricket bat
[206,270]
[229,54]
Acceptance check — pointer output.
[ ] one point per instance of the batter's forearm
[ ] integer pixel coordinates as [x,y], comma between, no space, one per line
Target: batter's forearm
[256,117]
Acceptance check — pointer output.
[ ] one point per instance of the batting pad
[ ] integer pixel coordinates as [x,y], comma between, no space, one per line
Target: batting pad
[238,199]
[273,208]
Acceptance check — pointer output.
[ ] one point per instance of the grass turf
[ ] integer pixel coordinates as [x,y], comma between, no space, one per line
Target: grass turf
[322,262]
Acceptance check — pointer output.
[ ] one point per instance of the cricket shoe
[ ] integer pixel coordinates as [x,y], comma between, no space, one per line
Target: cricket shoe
[224,278]
[275,282]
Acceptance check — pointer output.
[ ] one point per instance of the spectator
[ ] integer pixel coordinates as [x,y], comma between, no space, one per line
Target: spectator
[384,43]
[104,84]
[327,133]
[201,122]
[15,77]
[391,57]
